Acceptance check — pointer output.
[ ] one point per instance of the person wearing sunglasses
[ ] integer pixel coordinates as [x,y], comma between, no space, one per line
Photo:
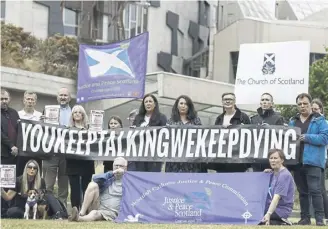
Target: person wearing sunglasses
[103,196]
[31,180]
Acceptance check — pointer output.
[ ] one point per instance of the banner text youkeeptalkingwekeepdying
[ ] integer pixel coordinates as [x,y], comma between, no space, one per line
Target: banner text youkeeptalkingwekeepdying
[165,142]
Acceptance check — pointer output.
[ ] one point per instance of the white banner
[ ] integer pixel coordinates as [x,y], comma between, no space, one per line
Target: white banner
[8,176]
[281,69]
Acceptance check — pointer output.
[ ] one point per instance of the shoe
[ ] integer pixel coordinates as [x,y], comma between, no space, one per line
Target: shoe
[320,223]
[305,221]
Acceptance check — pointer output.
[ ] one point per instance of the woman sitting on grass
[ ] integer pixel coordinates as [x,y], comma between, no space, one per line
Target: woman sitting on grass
[31,180]
[280,200]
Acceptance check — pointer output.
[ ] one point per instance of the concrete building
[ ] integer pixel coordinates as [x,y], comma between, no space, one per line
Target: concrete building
[178,29]
[180,40]
[242,22]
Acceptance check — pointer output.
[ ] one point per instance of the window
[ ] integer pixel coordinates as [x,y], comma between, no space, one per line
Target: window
[316,56]
[71,19]
[100,26]
[234,63]
[3,10]
[135,20]
[40,20]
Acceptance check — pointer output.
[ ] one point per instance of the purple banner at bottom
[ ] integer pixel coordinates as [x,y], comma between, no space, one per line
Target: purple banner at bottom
[197,198]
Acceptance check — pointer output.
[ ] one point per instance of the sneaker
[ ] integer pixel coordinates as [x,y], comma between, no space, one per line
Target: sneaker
[305,221]
[320,223]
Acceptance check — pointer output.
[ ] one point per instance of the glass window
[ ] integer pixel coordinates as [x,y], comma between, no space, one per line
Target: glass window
[133,9]
[133,29]
[3,9]
[70,17]
[135,20]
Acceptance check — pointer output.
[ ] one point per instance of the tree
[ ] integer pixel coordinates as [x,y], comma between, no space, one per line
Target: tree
[56,55]
[318,86]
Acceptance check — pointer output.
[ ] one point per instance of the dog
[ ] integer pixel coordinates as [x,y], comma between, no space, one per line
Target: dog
[32,199]
[42,205]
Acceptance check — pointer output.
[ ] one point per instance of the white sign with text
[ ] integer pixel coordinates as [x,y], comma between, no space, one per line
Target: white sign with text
[280,68]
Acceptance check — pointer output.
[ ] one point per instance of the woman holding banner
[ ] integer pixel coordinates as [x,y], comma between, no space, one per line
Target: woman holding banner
[79,171]
[280,200]
[114,123]
[149,115]
[184,113]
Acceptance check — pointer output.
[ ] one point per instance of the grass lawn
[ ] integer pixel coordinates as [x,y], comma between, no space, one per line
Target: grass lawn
[51,224]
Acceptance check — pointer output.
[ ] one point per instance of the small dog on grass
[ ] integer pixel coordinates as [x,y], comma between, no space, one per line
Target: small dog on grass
[31,203]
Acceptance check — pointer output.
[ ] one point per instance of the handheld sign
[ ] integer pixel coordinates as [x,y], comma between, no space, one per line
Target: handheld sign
[8,176]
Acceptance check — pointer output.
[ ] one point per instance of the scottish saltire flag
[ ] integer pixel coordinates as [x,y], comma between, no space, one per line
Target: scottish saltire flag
[194,198]
[116,70]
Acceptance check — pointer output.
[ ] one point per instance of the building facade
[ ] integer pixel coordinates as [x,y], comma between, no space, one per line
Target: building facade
[259,21]
[180,32]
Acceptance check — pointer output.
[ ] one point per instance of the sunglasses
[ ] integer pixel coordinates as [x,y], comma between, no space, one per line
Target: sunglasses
[32,167]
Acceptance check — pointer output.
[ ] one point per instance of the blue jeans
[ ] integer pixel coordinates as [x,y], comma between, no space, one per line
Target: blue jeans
[309,184]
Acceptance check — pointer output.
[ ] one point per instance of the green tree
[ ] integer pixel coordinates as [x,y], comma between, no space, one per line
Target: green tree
[57,55]
[318,86]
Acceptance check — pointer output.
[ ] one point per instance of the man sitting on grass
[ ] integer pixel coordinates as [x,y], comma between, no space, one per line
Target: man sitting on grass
[103,196]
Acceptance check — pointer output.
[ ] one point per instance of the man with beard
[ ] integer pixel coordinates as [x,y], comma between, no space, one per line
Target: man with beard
[9,129]
[56,165]
[103,196]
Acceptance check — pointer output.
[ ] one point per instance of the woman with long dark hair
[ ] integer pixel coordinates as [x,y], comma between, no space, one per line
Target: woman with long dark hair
[114,122]
[184,113]
[149,115]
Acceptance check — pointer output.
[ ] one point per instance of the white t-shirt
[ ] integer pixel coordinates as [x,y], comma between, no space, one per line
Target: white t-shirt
[146,122]
[27,116]
[227,118]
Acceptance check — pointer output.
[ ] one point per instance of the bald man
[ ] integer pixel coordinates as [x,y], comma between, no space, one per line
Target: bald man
[56,165]
[103,195]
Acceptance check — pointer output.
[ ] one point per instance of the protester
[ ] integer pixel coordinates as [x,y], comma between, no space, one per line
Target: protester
[317,107]
[114,122]
[103,195]
[266,116]
[79,171]
[132,116]
[56,165]
[31,180]
[232,115]
[148,115]
[308,175]
[28,113]
[9,130]
[280,200]
[184,113]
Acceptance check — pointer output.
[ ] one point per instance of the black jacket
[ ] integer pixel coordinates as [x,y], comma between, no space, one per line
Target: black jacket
[239,118]
[6,143]
[160,120]
[269,117]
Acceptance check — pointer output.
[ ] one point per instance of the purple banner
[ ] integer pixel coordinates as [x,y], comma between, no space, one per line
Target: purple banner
[116,70]
[209,198]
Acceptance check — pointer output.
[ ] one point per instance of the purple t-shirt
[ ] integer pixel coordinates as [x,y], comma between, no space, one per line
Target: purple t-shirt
[282,184]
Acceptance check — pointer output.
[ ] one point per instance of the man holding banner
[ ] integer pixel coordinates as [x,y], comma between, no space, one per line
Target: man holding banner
[314,139]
